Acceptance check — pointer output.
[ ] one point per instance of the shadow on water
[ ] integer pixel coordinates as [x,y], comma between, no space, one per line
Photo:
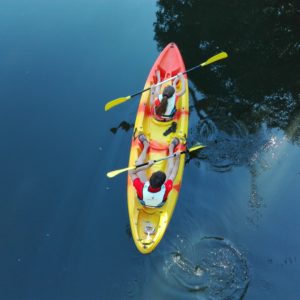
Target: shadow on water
[123,125]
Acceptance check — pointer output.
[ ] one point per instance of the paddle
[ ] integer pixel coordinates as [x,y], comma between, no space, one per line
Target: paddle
[118,101]
[117,172]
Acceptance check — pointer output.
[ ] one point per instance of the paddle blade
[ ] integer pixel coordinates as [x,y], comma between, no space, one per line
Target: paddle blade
[196,148]
[112,174]
[217,57]
[115,102]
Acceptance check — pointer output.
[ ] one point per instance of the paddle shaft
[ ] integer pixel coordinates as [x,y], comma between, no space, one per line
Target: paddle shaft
[214,58]
[116,172]
[118,101]
[160,159]
[166,80]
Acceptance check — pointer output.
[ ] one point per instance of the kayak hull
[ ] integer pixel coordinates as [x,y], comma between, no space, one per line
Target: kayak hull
[148,225]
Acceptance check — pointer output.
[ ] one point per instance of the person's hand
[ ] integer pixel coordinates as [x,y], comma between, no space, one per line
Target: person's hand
[150,163]
[152,90]
[177,154]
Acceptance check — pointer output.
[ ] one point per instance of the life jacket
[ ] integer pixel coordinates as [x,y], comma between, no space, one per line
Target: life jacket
[153,199]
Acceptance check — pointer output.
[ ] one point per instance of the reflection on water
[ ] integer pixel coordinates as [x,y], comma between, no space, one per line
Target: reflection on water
[259,83]
[230,144]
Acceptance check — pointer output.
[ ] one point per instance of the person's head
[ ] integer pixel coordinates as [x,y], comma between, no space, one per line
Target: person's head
[168,92]
[157,179]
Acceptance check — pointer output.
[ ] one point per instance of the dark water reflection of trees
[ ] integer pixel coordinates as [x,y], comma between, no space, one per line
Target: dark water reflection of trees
[259,83]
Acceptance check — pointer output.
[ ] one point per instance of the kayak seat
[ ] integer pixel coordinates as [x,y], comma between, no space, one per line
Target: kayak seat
[159,146]
[175,71]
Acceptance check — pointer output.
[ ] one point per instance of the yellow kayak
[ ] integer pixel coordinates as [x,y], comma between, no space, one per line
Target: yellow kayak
[148,225]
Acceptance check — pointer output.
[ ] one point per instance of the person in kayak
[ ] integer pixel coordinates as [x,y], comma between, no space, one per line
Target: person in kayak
[164,105]
[153,192]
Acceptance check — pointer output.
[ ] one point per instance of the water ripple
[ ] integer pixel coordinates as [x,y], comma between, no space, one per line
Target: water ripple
[213,267]
[229,143]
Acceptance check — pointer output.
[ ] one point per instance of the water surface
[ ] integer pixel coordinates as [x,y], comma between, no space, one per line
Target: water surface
[64,226]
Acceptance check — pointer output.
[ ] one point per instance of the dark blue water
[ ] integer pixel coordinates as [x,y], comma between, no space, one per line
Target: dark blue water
[64,225]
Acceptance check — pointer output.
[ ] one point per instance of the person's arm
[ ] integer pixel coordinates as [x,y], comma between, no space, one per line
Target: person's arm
[182,79]
[174,170]
[133,173]
[152,94]
[155,89]
[173,166]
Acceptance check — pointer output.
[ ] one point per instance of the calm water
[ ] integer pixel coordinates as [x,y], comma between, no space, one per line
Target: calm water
[64,226]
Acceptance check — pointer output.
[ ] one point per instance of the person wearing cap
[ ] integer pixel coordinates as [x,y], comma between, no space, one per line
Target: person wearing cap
[154,191]
[164,105]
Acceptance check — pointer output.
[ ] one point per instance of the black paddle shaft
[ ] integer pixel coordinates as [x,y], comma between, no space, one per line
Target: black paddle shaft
[164,158]
[147,89]
[192,69]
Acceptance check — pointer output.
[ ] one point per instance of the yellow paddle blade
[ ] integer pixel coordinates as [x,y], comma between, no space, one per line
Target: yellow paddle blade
[112,174]
[196,148]
[115,102]
[217,57]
